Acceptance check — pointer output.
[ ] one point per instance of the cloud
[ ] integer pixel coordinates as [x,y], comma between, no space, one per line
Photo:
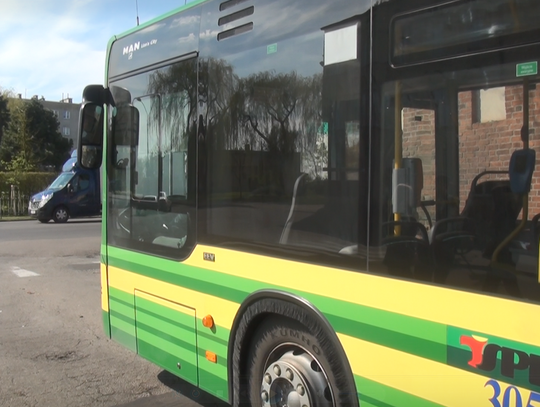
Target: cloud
[50,48]
[51,51]
[153,27]
[186,20]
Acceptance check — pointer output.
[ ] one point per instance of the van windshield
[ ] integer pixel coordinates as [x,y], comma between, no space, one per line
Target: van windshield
[69,164]
[62,180]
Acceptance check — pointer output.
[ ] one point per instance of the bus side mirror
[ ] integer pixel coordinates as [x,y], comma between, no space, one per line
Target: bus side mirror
[90,146]
[91,136]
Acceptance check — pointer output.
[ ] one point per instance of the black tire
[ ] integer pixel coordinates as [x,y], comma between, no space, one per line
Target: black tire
[44,220]
[288,365]
[60,214]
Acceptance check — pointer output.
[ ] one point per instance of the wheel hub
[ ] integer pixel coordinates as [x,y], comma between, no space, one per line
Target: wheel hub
[295,380]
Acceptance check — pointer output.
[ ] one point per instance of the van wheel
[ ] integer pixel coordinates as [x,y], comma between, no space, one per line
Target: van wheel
[288,366]
[60,215]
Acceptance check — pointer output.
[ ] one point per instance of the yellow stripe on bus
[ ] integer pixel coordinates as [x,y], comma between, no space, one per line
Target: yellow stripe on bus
[476,312]
[433,381]
[222,311]
[104,288]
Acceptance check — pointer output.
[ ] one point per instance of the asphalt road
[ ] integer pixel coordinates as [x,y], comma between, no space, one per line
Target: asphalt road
[33,239]
[53,351]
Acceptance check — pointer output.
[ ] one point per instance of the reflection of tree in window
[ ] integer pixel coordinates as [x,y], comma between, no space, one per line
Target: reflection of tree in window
[175,112]
[148,148]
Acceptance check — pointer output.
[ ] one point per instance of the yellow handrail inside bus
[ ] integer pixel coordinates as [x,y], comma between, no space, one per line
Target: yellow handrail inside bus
[525,213]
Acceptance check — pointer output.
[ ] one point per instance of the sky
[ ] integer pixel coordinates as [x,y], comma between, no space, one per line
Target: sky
[54,48]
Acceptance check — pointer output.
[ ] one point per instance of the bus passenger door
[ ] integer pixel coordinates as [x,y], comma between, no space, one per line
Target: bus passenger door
[467,223]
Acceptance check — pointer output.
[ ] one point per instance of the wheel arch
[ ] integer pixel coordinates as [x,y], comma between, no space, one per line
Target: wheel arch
[267,303]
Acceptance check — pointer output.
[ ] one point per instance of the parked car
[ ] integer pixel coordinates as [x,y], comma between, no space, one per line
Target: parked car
[76,192]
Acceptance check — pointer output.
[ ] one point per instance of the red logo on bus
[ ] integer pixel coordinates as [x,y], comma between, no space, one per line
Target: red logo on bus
[484,356]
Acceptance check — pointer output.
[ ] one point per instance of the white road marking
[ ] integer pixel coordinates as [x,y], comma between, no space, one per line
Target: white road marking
[19,272]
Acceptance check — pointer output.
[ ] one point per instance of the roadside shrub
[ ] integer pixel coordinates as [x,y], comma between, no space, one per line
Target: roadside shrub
[28,183]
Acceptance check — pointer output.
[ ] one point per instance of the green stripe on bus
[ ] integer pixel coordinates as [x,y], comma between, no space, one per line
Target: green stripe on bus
[124,338]
[210,383]
[222,339]
[164,316]
[106,323]
[122,321]
[372,327]
[120,297]
[166,340]
[206,281]
[379,395]
[169,362]
[167,337]
[415,345]
[401,324]
[369,402]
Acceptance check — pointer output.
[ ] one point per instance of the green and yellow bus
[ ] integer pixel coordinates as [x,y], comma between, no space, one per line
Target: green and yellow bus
[325,203]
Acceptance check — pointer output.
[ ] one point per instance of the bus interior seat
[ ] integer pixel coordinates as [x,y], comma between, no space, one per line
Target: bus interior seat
[328,225]
[489,215]
[407,252]
[494,208]
[450,237]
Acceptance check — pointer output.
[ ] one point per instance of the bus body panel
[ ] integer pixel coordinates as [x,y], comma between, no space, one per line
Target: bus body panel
[414,336]
[392,340]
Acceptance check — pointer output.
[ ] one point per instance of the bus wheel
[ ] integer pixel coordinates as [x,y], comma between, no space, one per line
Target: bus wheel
[60,215]
[288,366]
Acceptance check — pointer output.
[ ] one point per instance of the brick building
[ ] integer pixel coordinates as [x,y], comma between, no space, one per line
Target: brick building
[489,130]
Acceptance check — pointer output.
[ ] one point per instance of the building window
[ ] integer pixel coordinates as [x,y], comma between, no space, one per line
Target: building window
[56,113]
[67,114]
[488,105]
[66,131]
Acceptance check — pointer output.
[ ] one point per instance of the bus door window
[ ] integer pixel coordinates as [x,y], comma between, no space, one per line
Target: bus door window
[418,135]
[471,230]
[149,179]
[408,211]
[494,122]
[147,165]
